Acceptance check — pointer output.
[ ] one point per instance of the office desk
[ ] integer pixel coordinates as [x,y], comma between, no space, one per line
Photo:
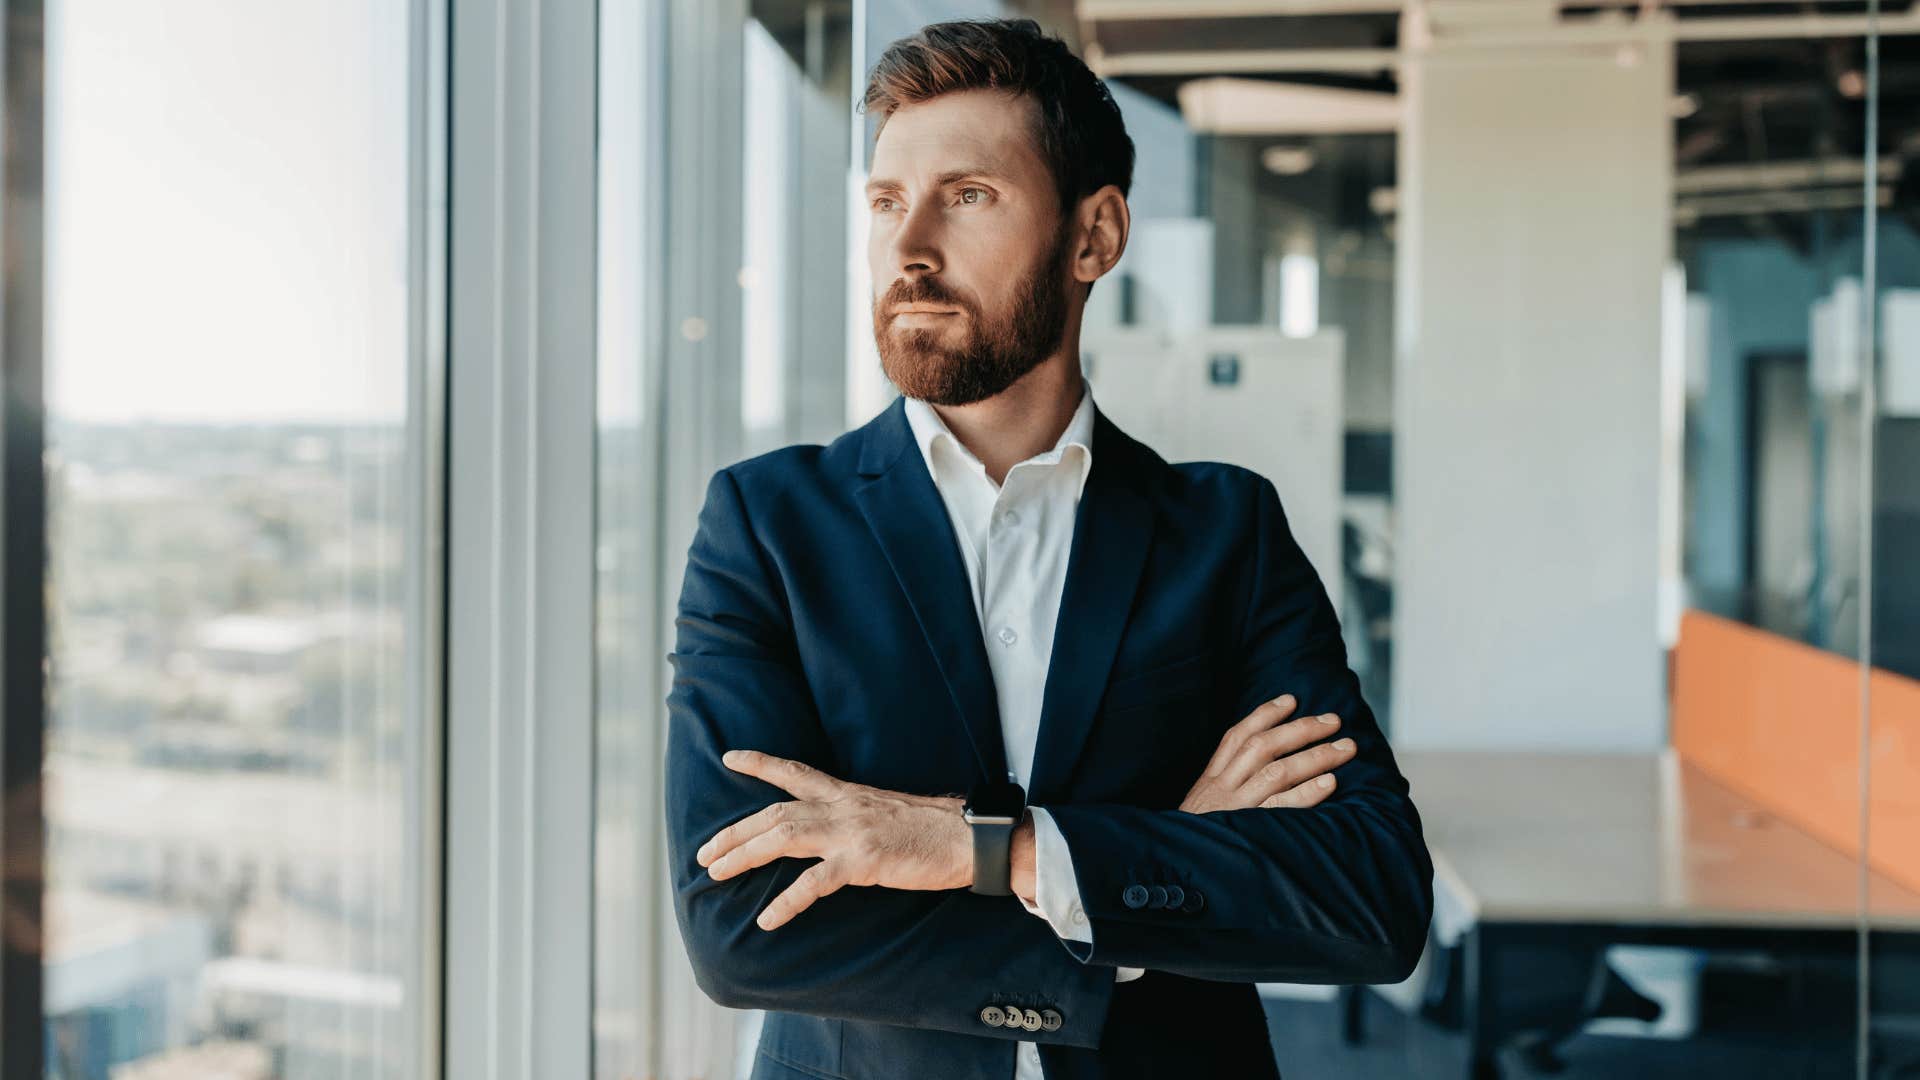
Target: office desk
[1608,849]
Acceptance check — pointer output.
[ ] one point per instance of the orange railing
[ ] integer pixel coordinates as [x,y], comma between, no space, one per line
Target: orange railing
[1779,722]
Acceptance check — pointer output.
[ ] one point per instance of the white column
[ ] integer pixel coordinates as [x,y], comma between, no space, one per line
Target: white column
[1533,228]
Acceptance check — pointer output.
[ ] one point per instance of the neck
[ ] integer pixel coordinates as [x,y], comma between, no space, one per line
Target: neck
[1025,419]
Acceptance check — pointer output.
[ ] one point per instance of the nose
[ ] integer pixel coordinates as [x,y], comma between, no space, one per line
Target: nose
[914,250]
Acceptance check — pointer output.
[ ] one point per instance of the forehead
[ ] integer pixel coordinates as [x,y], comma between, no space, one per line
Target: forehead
[986,129]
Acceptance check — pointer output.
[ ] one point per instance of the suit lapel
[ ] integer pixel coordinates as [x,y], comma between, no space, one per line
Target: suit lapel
[1112,531]
[904,510]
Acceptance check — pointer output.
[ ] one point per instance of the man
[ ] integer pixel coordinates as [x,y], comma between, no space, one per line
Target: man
[1122,677]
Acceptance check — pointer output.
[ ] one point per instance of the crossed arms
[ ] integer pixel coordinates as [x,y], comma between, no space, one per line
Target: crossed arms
[1339,893]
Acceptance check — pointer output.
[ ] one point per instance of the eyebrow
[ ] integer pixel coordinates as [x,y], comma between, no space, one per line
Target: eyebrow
[945,178]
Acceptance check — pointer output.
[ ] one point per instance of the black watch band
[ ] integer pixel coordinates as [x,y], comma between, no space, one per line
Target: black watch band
[993,811]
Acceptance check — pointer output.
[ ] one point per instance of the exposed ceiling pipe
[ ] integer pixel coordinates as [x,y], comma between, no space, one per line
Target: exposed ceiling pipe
[1778,175]
[1239,61]
[1695,207]
[1120,10]
[1126,10]
[1274,61]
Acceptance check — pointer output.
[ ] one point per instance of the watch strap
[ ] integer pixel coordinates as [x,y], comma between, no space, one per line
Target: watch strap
[993,859]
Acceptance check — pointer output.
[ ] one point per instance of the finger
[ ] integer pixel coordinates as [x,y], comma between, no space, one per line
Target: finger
[1309,794]
[1275,743]
[1264,716]
[753,825]
[1279,741]
[814,882]
[796,777]
[786,839]
[1296,769]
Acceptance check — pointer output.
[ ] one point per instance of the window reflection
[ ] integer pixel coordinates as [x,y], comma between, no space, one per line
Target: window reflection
[236,640]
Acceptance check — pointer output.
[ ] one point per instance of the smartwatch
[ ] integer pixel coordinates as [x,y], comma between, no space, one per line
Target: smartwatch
[993,809]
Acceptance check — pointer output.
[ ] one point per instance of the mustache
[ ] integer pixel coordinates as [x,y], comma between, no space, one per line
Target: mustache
[927,290]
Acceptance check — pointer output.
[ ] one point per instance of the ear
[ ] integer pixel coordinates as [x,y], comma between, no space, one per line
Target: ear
[1100,235]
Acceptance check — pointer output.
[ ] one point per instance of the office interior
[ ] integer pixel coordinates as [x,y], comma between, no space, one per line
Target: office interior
[366,360]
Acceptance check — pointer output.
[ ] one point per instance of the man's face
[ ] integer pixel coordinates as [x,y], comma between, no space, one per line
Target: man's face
[967,247]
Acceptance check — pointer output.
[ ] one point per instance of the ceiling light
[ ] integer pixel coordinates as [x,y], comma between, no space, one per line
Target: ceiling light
[1287,160]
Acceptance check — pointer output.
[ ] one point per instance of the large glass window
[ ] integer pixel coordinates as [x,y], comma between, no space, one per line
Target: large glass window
[240,450]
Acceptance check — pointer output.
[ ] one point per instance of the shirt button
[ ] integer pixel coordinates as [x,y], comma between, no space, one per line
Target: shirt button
[1007,636]
[1078,917]
[1033,1054]
[1011,517]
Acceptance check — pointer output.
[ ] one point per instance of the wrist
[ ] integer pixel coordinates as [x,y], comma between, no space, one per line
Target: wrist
[1024,881]
[994,812]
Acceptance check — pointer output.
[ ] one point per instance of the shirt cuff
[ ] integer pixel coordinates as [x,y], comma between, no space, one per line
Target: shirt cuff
[1057,891]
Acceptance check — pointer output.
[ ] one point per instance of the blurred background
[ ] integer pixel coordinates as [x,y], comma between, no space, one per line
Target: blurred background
[366,361]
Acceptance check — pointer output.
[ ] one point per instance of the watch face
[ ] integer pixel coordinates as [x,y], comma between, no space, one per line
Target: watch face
[1004,799]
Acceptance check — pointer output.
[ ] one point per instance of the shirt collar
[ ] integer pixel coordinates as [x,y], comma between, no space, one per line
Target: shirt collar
[929,431]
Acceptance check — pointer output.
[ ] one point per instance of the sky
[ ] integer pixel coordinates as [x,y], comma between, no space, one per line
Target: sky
[227,220]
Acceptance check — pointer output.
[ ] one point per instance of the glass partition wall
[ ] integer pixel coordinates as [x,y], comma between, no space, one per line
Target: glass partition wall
[732,321]
[1887,413]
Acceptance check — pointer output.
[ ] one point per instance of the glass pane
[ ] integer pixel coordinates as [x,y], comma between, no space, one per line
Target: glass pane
[1889,410]
[1644,373]
[241,657]
[777,375]
[627,666]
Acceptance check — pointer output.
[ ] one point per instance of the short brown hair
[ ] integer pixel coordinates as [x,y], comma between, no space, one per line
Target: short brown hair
[1082,137]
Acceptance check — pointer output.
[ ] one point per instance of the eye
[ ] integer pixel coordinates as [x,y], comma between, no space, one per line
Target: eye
[883,203]
[964,192]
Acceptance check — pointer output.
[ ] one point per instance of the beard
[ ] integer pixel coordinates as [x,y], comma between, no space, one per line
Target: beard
[992,355]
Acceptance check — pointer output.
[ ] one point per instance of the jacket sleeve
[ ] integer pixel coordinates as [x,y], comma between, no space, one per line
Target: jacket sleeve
[919,959]
[1340,893]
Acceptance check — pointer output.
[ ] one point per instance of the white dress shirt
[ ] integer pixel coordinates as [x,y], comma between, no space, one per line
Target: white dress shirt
[1015,539]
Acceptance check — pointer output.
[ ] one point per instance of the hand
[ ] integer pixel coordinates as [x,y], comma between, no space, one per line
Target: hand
[862,836]
[1259,762]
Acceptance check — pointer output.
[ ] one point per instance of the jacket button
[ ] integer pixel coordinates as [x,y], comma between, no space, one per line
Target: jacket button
[1030,1019]
[1014,1017]
[1157,896]
[1194,901]
[992,1016]
[1135,896]
[1050,1020]
[1176,896]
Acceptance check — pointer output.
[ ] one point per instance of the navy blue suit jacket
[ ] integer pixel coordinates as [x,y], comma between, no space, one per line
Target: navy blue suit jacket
[825,616]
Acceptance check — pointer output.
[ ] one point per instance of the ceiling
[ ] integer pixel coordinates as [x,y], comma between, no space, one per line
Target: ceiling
[1768,125]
